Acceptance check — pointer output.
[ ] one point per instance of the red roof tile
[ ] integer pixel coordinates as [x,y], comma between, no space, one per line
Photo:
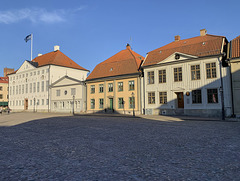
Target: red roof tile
[196,46]
[235,44]
[4,80]
[57,58]
[122,63]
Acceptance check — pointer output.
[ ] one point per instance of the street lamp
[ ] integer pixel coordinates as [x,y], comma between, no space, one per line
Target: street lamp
[133,103]
[73,103]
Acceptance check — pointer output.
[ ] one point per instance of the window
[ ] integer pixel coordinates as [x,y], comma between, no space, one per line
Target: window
[42,71]
[26,88]
[19,89]
[42,101]
[38,86]
[16,89]
[58,92]
[1,96]
[30,102]
[151,98]
[34,73]
[211,70]
[22,89]
[110,87]
[73,91]
[197,96]
[47,101]
[26,74]
[212,95]
[131,85]
[92,89]
[100,88]
[162,76]
[120,86]
[150,77]
[101,103]
[38,72]
[120,103]
[30,87]
[131,102]
[13,90]
[47,84]
[30,74]
[1,88]
[34,87]
[163,97]
[92,104]
[178,74]
[195,72]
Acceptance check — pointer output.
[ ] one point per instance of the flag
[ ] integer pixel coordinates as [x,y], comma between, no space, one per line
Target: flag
[29,37]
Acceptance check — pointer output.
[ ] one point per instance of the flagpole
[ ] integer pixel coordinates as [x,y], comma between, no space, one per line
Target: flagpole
[31,45]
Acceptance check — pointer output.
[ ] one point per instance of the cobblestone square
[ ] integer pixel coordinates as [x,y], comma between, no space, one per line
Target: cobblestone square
[63,147]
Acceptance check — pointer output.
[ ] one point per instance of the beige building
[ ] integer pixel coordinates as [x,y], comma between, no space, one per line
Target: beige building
[235,71]
[114,85]
[3,91]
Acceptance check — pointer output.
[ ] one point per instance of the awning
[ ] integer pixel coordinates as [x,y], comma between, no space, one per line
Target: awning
[3,103]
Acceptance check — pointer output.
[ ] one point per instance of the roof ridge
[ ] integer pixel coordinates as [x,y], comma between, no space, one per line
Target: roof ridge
[135,59]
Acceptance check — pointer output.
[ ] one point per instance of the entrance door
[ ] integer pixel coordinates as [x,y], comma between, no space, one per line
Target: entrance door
[26,104]
[111,103]
[180,99]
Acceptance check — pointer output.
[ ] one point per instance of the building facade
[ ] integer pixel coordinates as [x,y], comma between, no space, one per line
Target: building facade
[29,86]
[235,72]
[4,91]
[187,77]
[114,85]
[68,95]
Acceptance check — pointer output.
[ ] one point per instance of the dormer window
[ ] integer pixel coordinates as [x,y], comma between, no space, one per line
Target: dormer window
[111,69]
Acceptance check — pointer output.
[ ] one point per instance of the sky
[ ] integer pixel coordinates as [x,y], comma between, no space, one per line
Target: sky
[90,31]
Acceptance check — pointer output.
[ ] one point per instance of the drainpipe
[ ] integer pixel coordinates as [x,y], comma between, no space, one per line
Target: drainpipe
[221,89]
[144,108]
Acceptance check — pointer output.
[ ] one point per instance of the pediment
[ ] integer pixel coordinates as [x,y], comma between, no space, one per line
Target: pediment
[26,66]
[66,81]
[177,56]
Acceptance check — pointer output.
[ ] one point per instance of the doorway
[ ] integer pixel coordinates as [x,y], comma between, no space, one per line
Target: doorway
[111,103]
[180,99]
[26,104]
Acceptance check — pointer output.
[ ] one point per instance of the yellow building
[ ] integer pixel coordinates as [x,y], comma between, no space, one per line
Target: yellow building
[3,91]
[114,85]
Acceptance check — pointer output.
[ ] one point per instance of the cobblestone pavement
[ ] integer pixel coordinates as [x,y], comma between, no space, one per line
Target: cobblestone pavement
[118,148]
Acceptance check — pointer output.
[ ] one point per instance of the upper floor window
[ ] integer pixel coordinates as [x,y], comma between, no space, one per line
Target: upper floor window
[212,95]
[1,88]
[120,86]
[211,70]
[110,87]
[162,76]
[197,96]
[195,72]
[58,92]
[100,88]
[92,89]
[73,91]
[150,77]
[178,74]
[131,85]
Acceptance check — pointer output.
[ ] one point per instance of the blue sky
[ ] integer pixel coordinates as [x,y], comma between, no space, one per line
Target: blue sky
[90,31]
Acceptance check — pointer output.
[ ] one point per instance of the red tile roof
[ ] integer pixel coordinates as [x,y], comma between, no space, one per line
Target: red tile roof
[235,44]
[123,63]
[4,80]
[197,46]
[57,58]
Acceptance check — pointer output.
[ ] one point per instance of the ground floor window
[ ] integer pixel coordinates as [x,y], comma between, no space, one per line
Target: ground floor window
[151,98]
[212,95]
[163,97]
[92,104]
[101,103]
[120,103]
[131,102]
[197,96]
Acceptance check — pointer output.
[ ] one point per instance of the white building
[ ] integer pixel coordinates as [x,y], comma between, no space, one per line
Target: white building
[29,85]
[68,95]
[187,77]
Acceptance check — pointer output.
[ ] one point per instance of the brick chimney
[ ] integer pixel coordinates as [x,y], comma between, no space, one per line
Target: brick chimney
[56,48]
[128,47]
[177,38]
[203,32]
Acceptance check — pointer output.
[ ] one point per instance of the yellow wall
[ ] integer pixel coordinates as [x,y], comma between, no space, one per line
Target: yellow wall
[125,94]
[4,92]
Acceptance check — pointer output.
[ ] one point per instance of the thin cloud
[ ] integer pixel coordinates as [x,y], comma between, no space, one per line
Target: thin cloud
[36,15]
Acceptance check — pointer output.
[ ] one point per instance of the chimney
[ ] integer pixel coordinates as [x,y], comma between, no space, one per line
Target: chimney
[177,38]
[39,54]
[128,47]
[56,48]
[203,32]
